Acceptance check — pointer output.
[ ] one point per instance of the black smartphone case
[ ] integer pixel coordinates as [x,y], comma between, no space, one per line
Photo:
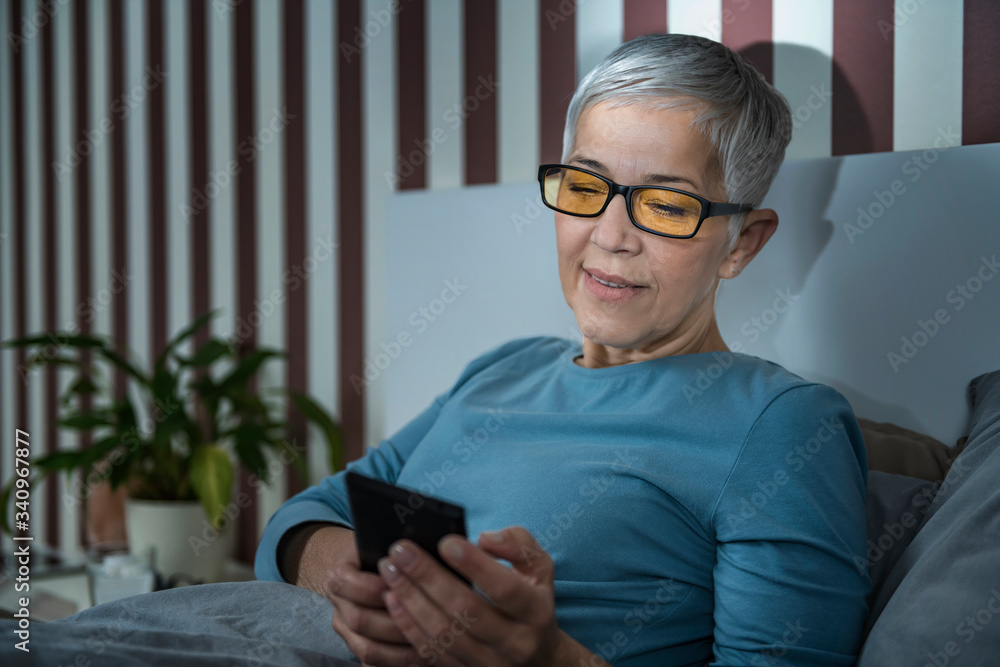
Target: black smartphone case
[384,513]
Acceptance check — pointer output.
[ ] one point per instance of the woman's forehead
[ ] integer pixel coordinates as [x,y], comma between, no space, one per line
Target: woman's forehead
[643,143]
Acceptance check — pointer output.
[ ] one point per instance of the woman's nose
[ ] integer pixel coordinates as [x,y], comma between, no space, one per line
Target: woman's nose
[613,230]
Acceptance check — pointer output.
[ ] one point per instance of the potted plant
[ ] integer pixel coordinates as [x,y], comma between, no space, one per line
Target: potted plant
[202,416]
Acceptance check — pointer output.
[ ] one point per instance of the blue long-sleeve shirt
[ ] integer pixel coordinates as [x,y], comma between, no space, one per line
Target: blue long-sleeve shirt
[704,507]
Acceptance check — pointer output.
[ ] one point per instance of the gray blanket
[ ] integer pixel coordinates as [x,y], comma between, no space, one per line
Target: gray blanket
[256,623]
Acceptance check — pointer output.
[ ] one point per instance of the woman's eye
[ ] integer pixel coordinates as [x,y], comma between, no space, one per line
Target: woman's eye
[584,190]
[666,210]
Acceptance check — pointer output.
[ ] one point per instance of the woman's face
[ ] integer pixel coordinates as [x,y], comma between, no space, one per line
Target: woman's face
[668,305]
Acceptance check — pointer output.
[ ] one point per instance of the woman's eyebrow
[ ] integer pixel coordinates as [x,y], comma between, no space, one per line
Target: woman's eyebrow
[660,179]
[648,179]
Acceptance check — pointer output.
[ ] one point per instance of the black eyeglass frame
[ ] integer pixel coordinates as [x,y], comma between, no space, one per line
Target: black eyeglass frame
[709,209]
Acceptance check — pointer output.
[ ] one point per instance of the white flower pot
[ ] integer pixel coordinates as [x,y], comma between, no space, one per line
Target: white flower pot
[185,546]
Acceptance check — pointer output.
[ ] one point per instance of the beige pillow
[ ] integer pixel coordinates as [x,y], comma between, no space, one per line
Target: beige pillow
[900,451]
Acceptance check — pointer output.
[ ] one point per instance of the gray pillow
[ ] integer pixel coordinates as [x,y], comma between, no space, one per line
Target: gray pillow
[938,602]
[896,506]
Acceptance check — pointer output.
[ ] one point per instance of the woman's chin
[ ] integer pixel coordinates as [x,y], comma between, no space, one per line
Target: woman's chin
[608,337]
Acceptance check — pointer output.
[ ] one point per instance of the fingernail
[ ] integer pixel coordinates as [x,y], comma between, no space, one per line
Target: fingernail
[388,570]
[392,603]
[402,556]
[451,548]
[494,537]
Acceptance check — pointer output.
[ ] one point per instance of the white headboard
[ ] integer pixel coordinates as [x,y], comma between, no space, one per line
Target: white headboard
[869,247]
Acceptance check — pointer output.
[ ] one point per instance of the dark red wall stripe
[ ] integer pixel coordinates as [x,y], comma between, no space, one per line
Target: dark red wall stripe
[246,233]
[644,17]
[156,156]
[411,97]
[18,228]
[199,219]
[556,75]
[746,29]
[980,64]
[350,225]
[50,246]
[119,193]
[863,60]
[83,242]
[480,102]
[296,247]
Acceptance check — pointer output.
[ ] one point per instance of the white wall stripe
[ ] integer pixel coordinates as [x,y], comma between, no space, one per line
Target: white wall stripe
[379,112]
[102,188]
[136,186]
[177,168]
[65,94]
[8,369]
[445,56]
[270,164]
[695,17]
[137,197]
[517,111]
[100,166]
[34,278]
[803,72]
[927,96]
[221,152]
[321,207]
[599,30]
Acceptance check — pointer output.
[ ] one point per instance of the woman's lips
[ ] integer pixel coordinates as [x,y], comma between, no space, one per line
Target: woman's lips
[610,287]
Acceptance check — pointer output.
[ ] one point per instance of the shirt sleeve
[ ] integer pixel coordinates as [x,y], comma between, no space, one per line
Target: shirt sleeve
[327,501]
[791,578]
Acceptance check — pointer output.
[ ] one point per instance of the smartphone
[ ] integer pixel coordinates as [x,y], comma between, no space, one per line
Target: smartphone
[384,513]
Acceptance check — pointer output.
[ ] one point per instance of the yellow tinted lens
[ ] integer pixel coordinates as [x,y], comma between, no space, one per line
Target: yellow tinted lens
[574,191]
[667,212]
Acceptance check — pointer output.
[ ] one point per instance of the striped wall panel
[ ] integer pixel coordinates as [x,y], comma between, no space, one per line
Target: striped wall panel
[160,159]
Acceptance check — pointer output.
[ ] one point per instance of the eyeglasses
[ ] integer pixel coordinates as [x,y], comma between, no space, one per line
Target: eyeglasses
[662,211]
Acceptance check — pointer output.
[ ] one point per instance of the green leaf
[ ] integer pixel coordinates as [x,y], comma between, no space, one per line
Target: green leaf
[125,415]
[83,385]
[212,479]
[247,367]
[315,413]
[65,460]
[41,360]
[112,355]
[184,334]
[247,447]
[86,421]
[80,458]
[207,354]
[164,384]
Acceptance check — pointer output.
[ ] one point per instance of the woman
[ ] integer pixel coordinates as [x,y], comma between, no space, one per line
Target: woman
[650,518]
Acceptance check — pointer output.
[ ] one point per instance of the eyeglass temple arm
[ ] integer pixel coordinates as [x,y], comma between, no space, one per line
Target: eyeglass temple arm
[715,208]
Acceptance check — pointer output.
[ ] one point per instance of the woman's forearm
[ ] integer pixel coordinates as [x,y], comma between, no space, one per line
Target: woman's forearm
[307,555]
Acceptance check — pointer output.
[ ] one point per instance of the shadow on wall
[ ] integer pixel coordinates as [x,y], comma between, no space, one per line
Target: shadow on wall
[809,231]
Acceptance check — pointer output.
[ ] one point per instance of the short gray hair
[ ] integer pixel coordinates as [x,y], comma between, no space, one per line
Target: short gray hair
[743,116]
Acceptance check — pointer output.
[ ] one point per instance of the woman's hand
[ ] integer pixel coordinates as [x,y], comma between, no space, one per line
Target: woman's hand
[449,624]
[324,559]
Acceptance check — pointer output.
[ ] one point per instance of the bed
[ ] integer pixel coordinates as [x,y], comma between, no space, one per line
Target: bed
[868,298]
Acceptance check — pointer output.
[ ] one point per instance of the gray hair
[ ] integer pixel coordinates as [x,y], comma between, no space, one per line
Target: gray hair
[743,116]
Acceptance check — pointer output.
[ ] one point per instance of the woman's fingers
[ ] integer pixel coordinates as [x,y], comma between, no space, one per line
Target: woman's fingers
[516,593]
[434,650]
[376,653]
[368,622]
[348,581]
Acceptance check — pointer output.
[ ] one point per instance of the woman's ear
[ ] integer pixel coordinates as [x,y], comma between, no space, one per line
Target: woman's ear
[758,227]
